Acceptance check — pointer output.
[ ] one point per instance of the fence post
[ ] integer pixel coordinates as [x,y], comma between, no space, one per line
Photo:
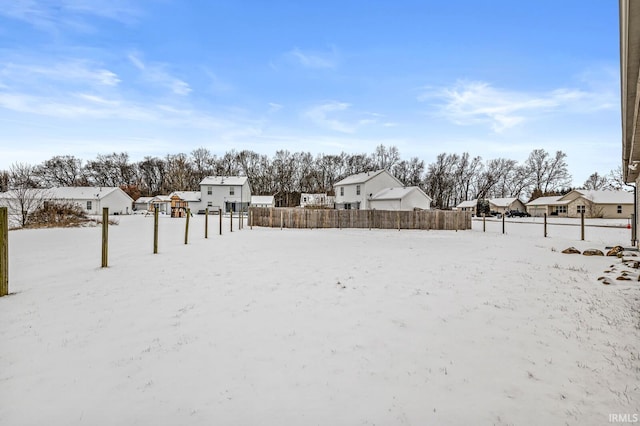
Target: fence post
[582,226]
[545,225]
[231,221]
[186,227]
[155,230]
[240,218]
[484,223]
[503,223]
[206,222]
[633,229]
[220,217]
[105,236]
[281,219]
[398,215]
[4,251]
[251,219]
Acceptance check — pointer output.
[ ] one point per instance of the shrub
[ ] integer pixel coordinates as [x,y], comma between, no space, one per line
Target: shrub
[57,214]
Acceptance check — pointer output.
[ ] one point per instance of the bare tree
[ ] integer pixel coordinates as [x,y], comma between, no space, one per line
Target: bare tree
[24,196]
[61,170]
[597,182]
[385,158]
[548,173]
[152,171]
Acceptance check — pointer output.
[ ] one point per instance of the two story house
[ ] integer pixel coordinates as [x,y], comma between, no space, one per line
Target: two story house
[356,191]
[228,193]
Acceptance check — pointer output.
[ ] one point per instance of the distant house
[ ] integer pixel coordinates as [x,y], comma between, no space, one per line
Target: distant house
[228,193]
[262,201]
[163,202]
[499,205]
[91,199]
[355,191]
[594,204]
[468,206]
[404,198]
[503,205]
[317,200]
[142,204]
[183,200]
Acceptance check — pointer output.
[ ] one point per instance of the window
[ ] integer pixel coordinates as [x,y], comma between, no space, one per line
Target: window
[357,189]
[209,190]
[209,203]
[89,206]
[342,191]
[581,209]
[619,209]
[561,209]
[232,190]
[347,206]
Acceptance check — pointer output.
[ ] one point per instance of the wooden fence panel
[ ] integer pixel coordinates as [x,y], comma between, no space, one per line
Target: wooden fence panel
[378,219]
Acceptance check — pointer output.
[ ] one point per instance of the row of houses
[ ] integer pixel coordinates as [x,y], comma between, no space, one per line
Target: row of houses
[601,204]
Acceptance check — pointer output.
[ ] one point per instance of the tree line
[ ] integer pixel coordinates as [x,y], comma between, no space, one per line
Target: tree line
[450,179]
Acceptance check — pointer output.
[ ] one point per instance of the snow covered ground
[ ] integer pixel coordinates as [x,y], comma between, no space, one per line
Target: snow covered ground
[316,327]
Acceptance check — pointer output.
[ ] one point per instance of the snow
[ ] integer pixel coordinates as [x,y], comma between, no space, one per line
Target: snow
[327,327]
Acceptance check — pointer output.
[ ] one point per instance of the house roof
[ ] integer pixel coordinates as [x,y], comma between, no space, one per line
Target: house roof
[262,199]
[224,180]
[162,198]
[396,193]
[467,204]
[187,195]
[81,192]
[142,200]
[606,197]
[503,202]
[364,177]
[547,201]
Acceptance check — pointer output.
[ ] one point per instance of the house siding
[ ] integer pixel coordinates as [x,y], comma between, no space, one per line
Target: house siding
[221,198]
[367,189]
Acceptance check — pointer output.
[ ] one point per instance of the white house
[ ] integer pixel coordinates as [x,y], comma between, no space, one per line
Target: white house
[262,201]
[163,202]
[468,206]
[317,200]
[229,193]
[503,205]
[355,191]
[405,198]
[142,204]
[91,199]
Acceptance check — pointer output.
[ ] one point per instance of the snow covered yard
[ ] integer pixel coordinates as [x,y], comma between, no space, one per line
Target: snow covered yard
[326,327]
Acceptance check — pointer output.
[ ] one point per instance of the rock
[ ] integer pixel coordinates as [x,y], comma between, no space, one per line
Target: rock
[571,250]
[615,251]
[593,252]
[623,278]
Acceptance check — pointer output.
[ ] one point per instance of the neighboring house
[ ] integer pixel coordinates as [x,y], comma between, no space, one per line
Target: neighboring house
[630,102]
[499,205]
[183,200]
[317,200]
[405,198]
[262,201]
[142,204]
[594,204]
[468,206]
[547,205]
[91,199]
[163,202]
[228,193]
[503,205]
[355,191]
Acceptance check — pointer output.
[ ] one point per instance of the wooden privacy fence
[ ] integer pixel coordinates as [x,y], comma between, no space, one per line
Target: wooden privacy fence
[379,219]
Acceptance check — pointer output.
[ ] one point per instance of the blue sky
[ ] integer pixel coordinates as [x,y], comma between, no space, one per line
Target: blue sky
[156,77]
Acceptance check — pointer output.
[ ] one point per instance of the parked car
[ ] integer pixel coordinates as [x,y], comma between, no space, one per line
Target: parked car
[516,213]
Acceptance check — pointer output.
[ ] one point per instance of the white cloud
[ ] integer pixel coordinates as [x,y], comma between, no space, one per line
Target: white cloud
[473,102]
[339,116]
[57,15]
[274,107]
[76,72]
[315,59]
[155,73]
